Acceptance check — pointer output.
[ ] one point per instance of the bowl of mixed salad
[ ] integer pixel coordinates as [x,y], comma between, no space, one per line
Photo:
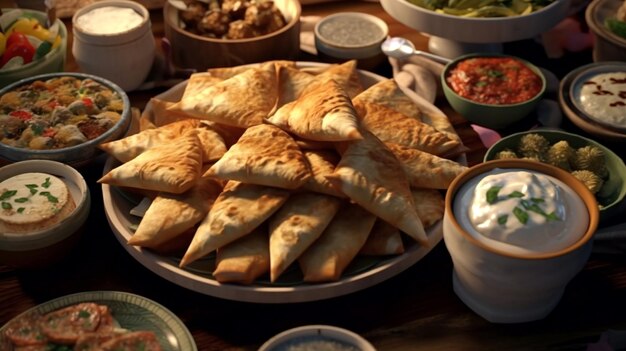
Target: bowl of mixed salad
[61,117]
[29,45]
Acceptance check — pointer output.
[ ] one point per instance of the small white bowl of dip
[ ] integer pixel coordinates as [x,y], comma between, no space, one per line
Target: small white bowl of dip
[345,36]
[318,338]
[34,229]
[518,231]
[597,93]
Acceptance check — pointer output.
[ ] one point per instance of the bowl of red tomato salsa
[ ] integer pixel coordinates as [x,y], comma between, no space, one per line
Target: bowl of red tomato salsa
[61,117]
[492,90]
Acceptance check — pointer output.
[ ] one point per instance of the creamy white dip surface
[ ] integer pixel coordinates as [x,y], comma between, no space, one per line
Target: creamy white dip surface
[108,20]
[521,211]
[603,98]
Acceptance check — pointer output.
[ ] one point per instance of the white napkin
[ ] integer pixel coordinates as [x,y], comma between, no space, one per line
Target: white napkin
[420,75]
[307,35]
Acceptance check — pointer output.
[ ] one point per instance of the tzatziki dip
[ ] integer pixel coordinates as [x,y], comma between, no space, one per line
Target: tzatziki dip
[603,98]
[109,20]
[521,211]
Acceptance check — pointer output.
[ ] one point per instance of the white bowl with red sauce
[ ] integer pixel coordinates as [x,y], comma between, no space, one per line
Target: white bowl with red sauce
[492,90]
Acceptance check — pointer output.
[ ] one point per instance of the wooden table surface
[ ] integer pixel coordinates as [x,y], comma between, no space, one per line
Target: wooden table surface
[415,310]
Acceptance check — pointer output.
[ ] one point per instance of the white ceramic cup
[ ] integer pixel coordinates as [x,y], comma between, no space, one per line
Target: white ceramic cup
[124,58]
[507,287]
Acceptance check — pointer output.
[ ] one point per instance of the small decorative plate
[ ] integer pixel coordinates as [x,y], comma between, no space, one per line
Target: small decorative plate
[585,76]
[131,311]
[575,115]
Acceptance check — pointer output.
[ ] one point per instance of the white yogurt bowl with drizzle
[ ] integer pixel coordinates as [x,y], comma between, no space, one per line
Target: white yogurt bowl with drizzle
[507,278]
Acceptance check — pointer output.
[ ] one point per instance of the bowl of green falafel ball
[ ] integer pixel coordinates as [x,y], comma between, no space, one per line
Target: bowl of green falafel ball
[599,168]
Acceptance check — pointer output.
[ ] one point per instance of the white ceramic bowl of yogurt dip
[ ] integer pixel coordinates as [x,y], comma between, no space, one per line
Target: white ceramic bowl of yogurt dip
[113,39]
[518,231]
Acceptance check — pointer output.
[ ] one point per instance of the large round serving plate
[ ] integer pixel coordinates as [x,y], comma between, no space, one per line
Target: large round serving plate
[132,312]
[362,273]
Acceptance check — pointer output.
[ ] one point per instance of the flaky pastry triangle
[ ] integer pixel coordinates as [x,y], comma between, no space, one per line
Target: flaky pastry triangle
[323,112]
[370,175]
[173,167]
[264,155]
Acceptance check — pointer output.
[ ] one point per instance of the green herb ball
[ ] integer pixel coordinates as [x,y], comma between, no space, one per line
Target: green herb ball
[591,180]
[533,145]
[506,154]
[561,154]
[591,158]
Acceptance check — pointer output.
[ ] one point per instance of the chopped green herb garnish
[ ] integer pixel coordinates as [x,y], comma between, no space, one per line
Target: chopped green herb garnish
[20,209]
[537,200]
[495,73]
[552,217]
[521,215]
[502,219]
[492,194]
[37,129]
[47,183]
[21,200]
[32,188]
[481,83]
[84,314]
[516,194]
[7,194]
[6,206]
[535,208]
[50,197]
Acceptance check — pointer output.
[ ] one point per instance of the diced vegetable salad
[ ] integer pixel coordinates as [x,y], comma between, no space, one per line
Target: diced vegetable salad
[24,39]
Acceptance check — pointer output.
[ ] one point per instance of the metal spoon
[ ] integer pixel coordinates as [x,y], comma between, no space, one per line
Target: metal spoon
[400,48]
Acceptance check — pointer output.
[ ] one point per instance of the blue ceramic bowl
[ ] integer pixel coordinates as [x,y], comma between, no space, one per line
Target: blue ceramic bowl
[77,155]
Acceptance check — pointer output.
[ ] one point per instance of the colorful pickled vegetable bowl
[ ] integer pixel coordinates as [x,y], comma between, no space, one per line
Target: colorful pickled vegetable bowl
[28,46]
[53,113]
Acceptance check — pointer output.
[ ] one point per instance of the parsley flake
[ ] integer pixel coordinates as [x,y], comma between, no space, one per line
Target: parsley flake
[50,197]
[492,194]
[521,215]
[516,194]
[7,194]
[46,184]
[21,200]
[502,219]
[6,206]
[20,209]
[32,188]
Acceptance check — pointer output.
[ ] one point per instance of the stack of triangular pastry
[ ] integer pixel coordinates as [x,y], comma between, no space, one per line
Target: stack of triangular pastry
[275,168]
